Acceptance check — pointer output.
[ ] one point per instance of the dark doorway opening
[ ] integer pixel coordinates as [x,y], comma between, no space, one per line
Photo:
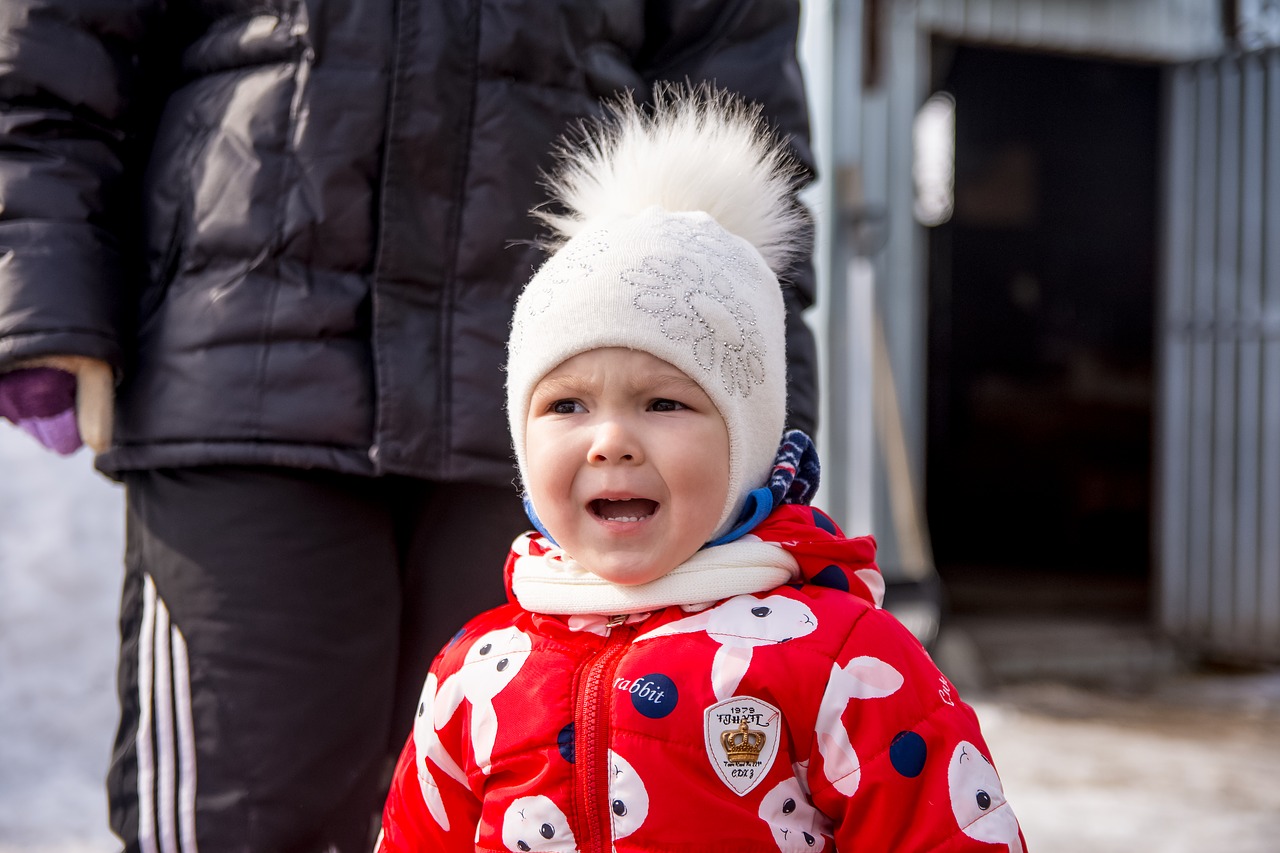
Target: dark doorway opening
[1041,322]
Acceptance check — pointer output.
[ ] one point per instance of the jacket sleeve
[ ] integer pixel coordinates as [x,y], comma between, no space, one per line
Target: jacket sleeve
[749,47]
[67,68]
[430,806]
[409,826]
[898,761]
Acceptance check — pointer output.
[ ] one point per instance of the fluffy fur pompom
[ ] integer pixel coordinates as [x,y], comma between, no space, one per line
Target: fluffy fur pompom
[694,150]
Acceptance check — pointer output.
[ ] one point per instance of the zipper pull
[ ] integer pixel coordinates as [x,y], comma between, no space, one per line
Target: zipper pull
[615,621]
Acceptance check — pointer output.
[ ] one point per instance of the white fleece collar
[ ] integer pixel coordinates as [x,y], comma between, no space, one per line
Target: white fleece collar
[554,584]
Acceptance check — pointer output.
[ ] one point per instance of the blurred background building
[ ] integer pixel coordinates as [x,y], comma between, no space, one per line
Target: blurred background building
[1050,252]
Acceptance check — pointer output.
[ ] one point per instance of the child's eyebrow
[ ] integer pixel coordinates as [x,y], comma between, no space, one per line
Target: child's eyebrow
[671,384]
[557,385]
[655,384]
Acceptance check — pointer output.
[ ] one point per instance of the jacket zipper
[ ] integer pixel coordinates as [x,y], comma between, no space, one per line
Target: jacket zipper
[592,705]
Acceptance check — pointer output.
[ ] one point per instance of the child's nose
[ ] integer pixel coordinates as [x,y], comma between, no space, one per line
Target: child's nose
[613,442]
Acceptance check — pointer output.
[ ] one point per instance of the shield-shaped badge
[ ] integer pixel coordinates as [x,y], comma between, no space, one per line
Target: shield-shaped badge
[742,734]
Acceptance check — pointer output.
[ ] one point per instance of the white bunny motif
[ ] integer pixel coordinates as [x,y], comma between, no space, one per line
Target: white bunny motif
[427,745]
[628,797]
[537,823]
[739,625]
[978,801]
[797,826]
[861,678]
[488,667]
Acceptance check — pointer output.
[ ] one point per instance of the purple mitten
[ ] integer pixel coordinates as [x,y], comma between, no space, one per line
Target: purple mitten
[42,402]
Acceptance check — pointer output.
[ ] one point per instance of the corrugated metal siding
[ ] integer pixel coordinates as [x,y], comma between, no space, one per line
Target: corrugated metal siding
[1167,30]
[1219,548]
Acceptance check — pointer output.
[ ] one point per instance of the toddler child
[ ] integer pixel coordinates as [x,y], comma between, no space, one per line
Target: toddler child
[692,658]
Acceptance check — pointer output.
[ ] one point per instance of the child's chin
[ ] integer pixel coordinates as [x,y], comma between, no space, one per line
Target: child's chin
[633,575]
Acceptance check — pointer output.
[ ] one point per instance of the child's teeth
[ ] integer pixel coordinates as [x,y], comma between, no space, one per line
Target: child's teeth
[614,510]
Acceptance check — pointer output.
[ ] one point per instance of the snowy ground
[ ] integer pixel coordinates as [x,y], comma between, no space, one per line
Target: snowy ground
[1190,765]
[1190,768]
[61,542]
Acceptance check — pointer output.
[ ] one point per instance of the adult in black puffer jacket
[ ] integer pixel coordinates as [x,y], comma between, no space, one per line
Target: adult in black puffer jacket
[294,230]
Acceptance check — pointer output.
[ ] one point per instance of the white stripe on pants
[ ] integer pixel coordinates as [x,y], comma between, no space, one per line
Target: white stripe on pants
[166,736]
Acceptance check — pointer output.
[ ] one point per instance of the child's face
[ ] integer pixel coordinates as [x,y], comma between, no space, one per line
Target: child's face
[628,463]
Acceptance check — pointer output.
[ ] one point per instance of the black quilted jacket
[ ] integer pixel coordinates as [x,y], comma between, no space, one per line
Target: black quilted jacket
[296,227]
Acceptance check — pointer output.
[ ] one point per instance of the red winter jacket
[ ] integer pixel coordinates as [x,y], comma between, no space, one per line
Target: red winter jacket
[801,718]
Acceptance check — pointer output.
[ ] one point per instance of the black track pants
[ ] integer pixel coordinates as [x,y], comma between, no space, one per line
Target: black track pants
[276,627]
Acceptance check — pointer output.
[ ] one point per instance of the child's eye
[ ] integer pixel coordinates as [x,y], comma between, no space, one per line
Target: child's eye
[666,406]
[566,407]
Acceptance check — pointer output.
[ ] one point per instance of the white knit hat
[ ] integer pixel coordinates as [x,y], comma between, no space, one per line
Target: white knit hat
[677,222]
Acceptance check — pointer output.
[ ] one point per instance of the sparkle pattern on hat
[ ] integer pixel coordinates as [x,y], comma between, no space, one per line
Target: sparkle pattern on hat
[696,297]
[576,262]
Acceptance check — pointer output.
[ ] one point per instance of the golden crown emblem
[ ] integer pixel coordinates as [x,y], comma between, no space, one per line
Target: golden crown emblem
[742,745]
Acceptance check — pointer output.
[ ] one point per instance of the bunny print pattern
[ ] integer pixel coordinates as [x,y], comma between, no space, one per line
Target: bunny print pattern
[803,718]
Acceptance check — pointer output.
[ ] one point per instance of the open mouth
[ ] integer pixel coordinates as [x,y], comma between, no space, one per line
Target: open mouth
[627,510]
